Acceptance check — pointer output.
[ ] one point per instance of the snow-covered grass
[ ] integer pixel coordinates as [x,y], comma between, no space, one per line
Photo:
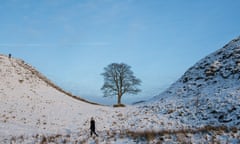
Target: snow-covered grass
[203,106]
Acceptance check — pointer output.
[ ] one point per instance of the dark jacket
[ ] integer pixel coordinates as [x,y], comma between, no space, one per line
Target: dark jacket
[92,125]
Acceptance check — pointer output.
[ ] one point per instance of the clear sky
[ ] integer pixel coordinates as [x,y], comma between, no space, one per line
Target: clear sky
[71,41]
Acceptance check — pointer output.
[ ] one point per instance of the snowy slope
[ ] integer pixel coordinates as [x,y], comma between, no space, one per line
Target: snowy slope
[203,106]
[33,110]
[30,103]
[209,92]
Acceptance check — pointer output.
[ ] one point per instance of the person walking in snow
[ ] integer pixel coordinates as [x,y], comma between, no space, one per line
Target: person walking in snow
[92,127]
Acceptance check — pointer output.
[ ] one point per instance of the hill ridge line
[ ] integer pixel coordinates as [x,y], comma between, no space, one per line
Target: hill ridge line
[27,66]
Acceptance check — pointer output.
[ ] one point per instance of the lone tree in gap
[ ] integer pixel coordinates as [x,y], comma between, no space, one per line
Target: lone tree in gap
[119,80]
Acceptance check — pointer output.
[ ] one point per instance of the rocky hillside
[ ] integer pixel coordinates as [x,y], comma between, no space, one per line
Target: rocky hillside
[209,92]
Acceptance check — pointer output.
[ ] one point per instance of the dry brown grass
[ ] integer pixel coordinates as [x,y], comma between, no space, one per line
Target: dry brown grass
[181,134]
[118,105]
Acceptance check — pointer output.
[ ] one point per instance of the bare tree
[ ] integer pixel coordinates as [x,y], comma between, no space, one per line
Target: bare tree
[119,80]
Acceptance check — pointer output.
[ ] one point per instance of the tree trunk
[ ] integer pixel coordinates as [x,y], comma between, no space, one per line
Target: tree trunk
[119,99]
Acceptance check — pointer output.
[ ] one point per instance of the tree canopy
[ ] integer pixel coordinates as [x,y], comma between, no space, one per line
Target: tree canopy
[119,80]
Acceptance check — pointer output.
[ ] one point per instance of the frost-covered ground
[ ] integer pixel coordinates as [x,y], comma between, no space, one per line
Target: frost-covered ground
[209,92]
[203,106]
[32,111]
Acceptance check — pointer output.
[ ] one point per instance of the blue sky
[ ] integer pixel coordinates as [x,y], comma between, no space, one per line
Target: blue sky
[71,41]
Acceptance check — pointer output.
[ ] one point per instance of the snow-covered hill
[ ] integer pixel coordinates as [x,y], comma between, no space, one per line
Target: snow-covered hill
[203,106]
[208,93]
[34,110]
[30,105]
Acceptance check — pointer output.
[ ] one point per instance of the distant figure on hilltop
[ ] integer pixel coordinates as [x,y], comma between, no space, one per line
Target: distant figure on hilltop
[92,127]
[9,55]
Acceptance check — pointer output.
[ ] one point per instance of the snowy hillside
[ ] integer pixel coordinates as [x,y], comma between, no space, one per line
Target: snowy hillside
[208,93]
[203,106]
[30,105]
[34,110]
